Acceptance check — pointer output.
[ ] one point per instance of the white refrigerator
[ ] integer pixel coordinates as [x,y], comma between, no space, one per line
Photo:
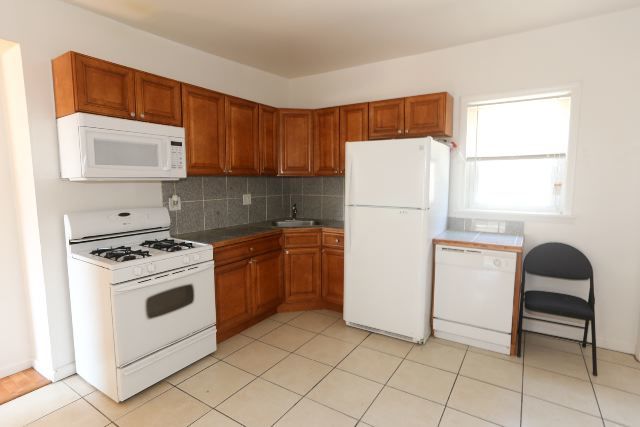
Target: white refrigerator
[396,201]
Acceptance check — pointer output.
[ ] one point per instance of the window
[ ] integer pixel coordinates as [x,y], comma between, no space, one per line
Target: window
[517,154]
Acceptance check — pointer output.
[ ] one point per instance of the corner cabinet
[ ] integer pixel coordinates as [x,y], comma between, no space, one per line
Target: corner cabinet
[296,137]
[90,85]
[326,142]
[204,124]
[415,116]
[242,137]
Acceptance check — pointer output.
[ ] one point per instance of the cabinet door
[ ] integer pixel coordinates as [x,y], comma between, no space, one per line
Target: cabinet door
[243,144]
[302,270]
[103,87]
[267,281]
[295,142]
[268,140]
[428,115]
[203,113]
[326,150]
[333,275]
[354,126]
[386,119]
[158,99]
[233,295]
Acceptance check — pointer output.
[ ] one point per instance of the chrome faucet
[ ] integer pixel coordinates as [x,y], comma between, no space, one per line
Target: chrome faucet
[294,211]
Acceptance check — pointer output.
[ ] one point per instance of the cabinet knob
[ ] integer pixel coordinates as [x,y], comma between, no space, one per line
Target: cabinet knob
[337,240]
[251,249]
[132,114]
[406,131]
[399,130]
[142,115]
[286,252]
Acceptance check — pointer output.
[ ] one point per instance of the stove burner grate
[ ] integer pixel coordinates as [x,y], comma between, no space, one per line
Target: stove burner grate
[167,245]
[120,254]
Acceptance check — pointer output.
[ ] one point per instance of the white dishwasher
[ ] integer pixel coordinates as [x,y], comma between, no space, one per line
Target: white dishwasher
[473,296]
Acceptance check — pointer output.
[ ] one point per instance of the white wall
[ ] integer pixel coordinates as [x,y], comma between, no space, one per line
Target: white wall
[15,323]
[45,29]
[602,55]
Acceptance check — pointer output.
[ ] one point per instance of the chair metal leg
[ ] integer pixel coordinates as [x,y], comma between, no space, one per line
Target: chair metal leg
[519,353]
[586,329]
[593,346]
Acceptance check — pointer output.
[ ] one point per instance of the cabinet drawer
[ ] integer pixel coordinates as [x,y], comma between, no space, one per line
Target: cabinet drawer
[244,250]
[333,240]
[302,239]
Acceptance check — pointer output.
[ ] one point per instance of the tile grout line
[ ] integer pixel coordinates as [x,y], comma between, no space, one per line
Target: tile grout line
[595,395]
[57,409]
[333,368]
[446,404]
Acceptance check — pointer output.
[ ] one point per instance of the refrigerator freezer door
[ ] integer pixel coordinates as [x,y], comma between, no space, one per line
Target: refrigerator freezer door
[390,173]
[386,270]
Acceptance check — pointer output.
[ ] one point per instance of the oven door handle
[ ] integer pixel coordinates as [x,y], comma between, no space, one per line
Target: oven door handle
[161,278]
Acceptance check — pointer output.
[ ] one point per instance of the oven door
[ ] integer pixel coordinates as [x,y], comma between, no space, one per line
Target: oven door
[108,153]
[154,312]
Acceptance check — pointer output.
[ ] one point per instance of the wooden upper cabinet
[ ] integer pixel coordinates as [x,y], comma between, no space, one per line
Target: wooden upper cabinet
[354,126]
[242,137]
[386,119]
[90,85]
[268,140]
[326,142]
[429,115]
[296,136]
[158,99]
[203,114]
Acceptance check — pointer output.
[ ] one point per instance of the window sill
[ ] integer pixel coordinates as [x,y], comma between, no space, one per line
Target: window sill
[512,216]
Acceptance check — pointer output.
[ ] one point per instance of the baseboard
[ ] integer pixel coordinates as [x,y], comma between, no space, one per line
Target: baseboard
[64,371]
[13,368]
[44,369]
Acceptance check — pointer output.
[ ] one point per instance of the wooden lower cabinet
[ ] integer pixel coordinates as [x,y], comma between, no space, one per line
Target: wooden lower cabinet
[333,276]
[266,271]
[234,304]
[302,269]
[255,277]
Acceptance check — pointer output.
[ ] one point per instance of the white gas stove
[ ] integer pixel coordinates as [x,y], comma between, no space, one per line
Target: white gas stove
[143,303]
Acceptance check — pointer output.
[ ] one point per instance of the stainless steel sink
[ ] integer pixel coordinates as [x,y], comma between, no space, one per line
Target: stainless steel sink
[295,223]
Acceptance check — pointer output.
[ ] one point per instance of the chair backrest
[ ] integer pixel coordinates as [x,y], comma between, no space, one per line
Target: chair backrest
[558,260]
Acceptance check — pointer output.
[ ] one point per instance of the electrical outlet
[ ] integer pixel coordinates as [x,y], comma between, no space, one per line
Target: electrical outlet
[175,203]
[246,199]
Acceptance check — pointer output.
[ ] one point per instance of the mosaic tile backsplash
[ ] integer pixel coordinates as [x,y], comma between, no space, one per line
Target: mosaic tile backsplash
[216,202]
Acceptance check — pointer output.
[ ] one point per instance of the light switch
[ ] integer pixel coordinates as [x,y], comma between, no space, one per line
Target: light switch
[246,199]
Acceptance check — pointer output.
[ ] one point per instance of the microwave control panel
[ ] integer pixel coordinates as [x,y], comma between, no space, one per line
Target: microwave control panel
[177,154]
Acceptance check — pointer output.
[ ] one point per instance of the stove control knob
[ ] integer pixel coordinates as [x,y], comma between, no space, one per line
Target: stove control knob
[151,268]
[137,271]
[185,259]
[195,257]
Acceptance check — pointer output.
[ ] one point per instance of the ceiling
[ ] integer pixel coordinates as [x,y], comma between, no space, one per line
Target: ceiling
[294,38]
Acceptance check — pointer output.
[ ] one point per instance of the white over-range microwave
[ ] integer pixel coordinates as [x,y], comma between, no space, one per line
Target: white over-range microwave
[94,147]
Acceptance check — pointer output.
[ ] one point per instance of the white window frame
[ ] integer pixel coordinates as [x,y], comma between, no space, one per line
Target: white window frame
[458,198]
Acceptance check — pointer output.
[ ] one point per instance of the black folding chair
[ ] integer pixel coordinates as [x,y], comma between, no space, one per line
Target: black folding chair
[559,261]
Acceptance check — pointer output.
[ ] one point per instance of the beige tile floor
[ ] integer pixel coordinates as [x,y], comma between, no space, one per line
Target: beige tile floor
[309,369]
